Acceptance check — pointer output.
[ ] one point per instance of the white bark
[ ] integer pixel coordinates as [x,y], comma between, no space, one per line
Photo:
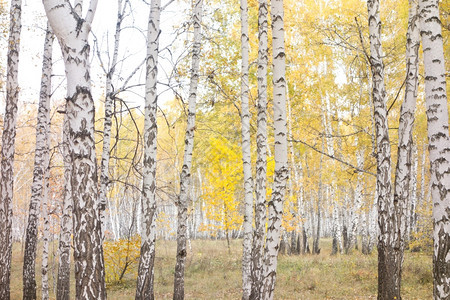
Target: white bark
[145,280]
[405,143]
[358,199]
[438,140]
[281,172]
[46,233]
[63,284]
[72,32]
[41,158]
[187,160]
[246,156]
[109,101]
[261,149]
[8,148]
[387,281]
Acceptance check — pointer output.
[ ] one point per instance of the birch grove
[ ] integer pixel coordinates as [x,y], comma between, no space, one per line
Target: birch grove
[284,191]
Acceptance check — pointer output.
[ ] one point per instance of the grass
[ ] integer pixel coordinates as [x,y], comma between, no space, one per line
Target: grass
[213,273]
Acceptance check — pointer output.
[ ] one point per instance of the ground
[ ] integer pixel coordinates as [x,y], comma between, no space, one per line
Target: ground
[212,272]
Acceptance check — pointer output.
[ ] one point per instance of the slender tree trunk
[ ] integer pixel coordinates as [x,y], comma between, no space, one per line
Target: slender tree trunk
[46,232]
[63,284]
[261,148]
[8,148]
[246,156]
[109,103]
[358,201]
[41,159]
[178,292]
[72,32]
[281,172]
[387,279]
[145,280]
[405,143]
[439,142]
[316,249]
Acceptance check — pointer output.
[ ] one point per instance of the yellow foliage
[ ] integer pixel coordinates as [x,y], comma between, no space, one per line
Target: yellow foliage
[121,258]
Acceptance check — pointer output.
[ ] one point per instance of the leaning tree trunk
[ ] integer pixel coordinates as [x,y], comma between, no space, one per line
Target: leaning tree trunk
[72,32]
[246,156]
[178,291]
[438,140]
[261,160]
[145,280]
[387,279]
[405,144]
[281,171]
[41,159]
[7,152]
[63,283]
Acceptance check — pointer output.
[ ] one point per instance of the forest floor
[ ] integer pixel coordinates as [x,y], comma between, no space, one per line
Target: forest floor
[214,272]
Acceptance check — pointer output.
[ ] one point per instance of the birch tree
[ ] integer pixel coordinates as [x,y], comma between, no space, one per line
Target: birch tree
[386,279]
[178,291]
[144,288]
[281,171]
[246,156]
[438,140]
[72,32]
[8,148]
[63,282]
[109,101]
[261,148]
[405,144]
[40,172]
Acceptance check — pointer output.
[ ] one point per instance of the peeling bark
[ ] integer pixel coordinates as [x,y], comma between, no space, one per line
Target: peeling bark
[281,172]
[405,143]
[246,156]
[387,281]
[261,149]
[40,173]
[438,140]
[8,148]
[185,175]
[145,280]
[72,32]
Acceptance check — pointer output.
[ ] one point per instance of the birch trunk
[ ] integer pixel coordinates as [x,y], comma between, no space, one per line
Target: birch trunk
[439,142]
[72,32]
[41,159]
[63,284]
[178,292]
[261,149]
[46,231]
[8,148]
[405,144]
[387,281]
[109,102]
[246,156]
[145,280]
[358,201]
[281,172]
